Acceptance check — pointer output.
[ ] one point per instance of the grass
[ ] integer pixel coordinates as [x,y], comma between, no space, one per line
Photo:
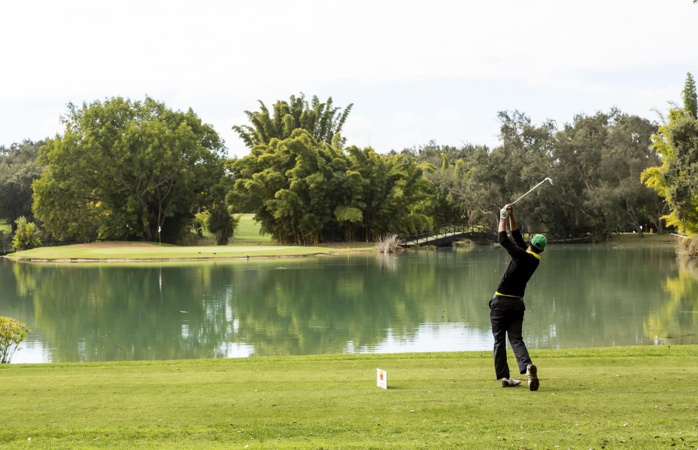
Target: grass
[646,239]
[623,397]
[248,244]
[121,251]
[248,231]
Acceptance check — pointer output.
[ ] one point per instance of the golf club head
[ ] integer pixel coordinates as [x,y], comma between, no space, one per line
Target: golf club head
[549,180]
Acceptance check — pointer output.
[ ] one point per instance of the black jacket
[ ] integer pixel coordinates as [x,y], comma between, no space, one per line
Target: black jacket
[521,267]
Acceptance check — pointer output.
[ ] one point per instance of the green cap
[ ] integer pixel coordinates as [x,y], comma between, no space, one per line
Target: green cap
[539,241]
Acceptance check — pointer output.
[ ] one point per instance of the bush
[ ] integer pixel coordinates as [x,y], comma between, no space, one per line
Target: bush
[692,247]
[222,224]
[688,246]
[26,236]
[12,333]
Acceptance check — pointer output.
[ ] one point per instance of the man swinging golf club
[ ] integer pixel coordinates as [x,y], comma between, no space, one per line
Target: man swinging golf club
[507,306]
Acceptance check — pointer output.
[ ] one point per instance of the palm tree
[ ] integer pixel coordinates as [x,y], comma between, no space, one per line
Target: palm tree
[322,120]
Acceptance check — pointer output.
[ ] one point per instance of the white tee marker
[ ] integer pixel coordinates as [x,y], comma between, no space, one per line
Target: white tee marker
[381,378]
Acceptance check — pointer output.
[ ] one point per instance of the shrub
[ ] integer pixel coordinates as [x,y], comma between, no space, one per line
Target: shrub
[12,333]
[692,246]
[26,236]
[687,246]
[201,220]
[222,224]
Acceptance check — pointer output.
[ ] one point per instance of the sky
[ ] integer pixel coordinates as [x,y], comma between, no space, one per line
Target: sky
[415,71]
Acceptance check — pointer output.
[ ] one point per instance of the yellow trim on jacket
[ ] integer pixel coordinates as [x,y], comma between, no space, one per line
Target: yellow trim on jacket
[535,255]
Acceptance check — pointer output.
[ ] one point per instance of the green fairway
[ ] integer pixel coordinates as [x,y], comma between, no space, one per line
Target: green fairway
[632,397]
[248,230]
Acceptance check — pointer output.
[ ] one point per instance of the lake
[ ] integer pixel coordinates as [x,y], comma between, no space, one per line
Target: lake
[416,301]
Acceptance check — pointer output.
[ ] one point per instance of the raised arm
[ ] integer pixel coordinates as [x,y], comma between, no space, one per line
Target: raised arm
[512,220]
[503,214]
[507,211]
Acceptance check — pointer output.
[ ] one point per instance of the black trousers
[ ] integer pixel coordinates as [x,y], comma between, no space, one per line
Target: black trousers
[506,317]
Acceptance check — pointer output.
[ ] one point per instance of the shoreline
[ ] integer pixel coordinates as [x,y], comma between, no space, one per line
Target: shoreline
[121,252]
[145,252]
[146,260]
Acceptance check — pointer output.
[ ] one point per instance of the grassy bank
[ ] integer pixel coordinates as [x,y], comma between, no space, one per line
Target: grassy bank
[125,251]
[633,397]
[645,239]
[248,243]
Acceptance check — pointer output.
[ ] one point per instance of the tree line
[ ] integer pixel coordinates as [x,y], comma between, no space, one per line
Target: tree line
[136,170]
[595,162]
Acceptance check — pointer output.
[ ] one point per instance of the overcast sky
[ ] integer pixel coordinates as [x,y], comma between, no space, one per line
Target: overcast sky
[415,71]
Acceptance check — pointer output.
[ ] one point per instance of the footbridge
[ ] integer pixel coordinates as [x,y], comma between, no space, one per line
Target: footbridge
[446,236]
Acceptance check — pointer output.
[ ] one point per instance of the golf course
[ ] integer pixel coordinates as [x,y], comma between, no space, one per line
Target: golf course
[612,397]
[463,225]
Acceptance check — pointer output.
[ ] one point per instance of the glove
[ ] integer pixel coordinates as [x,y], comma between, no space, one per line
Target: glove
[503,213]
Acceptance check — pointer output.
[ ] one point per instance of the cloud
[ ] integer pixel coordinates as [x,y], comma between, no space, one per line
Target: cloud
[219,57]
[405,119]
[401,141]
[447,116]
[86,48]
[358,130]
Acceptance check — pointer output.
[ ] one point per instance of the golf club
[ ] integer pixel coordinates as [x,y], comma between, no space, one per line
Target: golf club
[548,179]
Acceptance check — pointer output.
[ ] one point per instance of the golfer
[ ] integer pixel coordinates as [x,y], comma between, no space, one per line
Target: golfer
[507,306]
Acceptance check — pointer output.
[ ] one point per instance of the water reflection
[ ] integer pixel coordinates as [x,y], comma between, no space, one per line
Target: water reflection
[419,301]
[676,320]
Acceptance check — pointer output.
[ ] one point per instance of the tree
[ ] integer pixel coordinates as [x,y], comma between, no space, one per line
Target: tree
[676,180]
[454,173]
[126,170]
[294,186]
[26,236]
[12,333]
[304,191]
[323,121]
[578,201]
[595,162]
[221,223]
[392,193]
[523,160]
[626,154]
[690,100]
[18,170]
